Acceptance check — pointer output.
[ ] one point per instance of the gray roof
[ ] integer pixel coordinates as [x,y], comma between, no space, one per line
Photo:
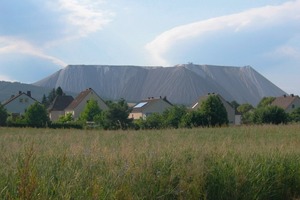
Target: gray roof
[60,103]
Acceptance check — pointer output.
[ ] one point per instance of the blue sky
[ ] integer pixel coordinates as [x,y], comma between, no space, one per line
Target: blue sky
[37,38]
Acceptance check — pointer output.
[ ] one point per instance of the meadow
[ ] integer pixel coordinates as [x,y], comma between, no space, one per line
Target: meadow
[247,162]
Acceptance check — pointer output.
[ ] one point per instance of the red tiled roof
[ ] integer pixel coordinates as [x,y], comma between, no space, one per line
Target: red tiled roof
[79,98]
[284,101]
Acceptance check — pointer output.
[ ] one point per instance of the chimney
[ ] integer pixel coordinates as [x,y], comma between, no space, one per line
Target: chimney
[20,92]
[29,93]
[292,95]
[284,95]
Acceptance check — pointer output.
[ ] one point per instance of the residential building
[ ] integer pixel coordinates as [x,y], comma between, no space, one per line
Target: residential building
[18,104]
[149,106]
[78,104]
[287,102]
[58,106]
[233,118]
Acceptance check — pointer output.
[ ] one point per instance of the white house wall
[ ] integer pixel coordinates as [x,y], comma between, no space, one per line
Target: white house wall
[19,104]
[80,107]
[295,104]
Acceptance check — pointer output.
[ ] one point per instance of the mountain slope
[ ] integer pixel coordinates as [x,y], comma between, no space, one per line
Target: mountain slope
[7,89]
[182,84]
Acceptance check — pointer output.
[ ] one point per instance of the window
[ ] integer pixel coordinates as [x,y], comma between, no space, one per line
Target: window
[140,105]
[293,106]
[21,100]
[26,100]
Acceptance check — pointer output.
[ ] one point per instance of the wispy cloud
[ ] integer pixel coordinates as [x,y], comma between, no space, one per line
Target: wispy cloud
[13,45]
[84,16]
[253,19]
[285,52]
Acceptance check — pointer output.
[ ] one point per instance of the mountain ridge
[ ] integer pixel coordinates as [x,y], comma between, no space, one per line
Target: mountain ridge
[182,84]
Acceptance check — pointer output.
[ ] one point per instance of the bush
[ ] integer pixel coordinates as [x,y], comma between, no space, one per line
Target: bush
[3,115]
[270,115]
[73,125]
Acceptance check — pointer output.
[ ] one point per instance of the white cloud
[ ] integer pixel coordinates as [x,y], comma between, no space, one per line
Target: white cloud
[14,45]
[286,51]
[86,16]
[253,19]
[6,78]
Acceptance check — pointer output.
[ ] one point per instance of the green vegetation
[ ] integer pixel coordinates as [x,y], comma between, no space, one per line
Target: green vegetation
[3,115]
[248,162]
[36,115]
[116,117]
[91,110]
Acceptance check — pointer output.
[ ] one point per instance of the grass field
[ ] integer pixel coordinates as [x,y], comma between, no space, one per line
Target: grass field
[255,162]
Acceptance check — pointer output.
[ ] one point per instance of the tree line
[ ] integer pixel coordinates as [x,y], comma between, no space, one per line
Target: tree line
[211,113]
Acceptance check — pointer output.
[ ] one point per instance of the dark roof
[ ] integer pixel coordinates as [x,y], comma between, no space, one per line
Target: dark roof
[16,96]
[146,102]
[284,101]
[60,103]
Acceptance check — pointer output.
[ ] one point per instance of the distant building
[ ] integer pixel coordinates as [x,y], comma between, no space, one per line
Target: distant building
[233,118]
[148,106]
[58,106]
[287,102]
[18,104]
[78,104]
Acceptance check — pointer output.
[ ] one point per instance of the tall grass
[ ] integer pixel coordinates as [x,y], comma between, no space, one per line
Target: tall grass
[256,162]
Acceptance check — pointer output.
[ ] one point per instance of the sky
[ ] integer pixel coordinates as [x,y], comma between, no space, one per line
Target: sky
[38,38]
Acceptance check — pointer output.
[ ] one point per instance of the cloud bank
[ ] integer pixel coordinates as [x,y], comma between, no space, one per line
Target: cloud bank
[233,27]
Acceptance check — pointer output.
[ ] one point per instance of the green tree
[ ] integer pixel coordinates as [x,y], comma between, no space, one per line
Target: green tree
[3,115]
[235,105]
[172,116]
[193,119]
[246,111]
[51,96]
[59,91]
[36,115]
[90,111]
[45,101]
[214,111]
[65,118]
[269,115]
[266,101]
[295,115]
[116,117]
[154,121]
[244,108]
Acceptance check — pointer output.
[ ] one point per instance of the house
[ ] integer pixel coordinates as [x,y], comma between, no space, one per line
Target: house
[287,102]
[78,104]
[149,106]
[58,106]
[18,104]
[233,118]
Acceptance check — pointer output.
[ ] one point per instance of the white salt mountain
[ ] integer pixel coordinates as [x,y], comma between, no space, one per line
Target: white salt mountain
[181,84]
